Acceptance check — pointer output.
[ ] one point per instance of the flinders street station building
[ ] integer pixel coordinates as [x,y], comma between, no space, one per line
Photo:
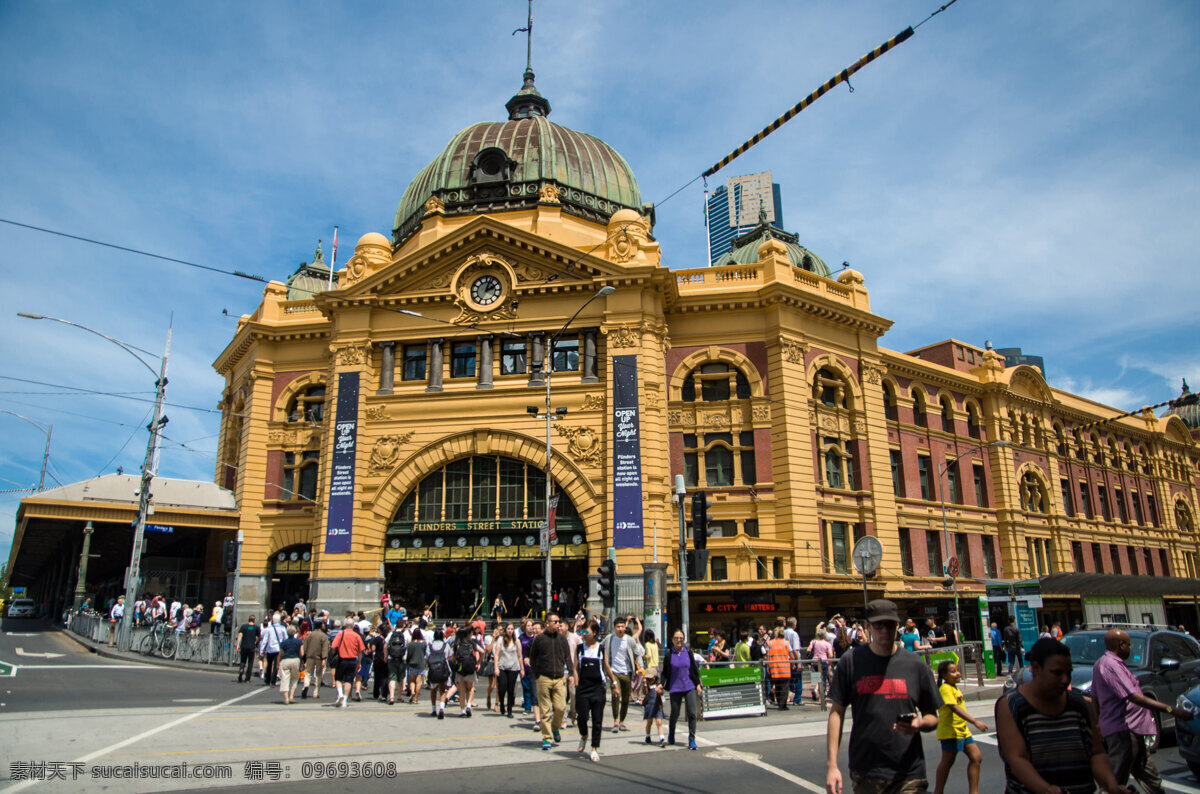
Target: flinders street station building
[387,431]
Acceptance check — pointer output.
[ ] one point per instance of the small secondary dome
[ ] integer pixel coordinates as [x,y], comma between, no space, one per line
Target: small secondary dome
[745,248]
[1189,412]
[495,166]
[310,278]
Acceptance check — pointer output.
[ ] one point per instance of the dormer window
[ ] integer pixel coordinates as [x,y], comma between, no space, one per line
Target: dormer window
[491,165]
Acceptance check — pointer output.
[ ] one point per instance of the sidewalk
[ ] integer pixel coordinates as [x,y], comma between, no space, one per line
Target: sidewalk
[129,657]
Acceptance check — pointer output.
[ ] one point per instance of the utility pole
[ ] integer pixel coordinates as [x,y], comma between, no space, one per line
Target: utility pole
[81,579]
[680,493]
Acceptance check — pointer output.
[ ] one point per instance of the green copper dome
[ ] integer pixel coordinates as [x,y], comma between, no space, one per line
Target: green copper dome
[745,249]
[1186,408]
[504,165]
[309,278]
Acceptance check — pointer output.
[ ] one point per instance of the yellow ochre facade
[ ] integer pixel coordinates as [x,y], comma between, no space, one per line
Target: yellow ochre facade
[762,382]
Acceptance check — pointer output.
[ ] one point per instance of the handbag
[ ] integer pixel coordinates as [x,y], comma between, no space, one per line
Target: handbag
[334,656]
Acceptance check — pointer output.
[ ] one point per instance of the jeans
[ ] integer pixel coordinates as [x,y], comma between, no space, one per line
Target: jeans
[507,684]
[589,704]
[780,695]
[381,679]
[552,701]
[689,701]
[1014,659]
[246,664]
[271,670]
[620,701]
[527,690]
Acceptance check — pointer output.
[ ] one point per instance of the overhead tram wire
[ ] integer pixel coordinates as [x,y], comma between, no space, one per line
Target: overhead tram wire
[210,268]
[79,391]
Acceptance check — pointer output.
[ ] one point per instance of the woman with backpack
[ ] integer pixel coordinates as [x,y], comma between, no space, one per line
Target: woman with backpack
[466,666]
[378,645]
[437,659]
[414,664]
[594,673]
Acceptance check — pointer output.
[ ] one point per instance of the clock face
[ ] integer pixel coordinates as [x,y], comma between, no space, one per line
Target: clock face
[506,540]
[486,290]
[418,543]
[461,542]
[439,542]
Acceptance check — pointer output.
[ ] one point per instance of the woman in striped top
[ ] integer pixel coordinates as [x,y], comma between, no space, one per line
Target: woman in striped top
[1047,732]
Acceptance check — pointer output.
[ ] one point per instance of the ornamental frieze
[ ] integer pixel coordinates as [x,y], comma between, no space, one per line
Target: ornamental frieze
[651,398]
[593,402]
[434,204]
[872,375]
[675,417]
[623,336]
[385,455]
[377,413]
[351,355]
[548,194]
[793,350]
[293,437]
[762,413]
[627,240]
[716,420]
[583,445]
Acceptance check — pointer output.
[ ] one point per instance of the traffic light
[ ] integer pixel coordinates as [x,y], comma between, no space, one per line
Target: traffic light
[230,556]
[700,505]
[606,588]
[697,565]
[537,592]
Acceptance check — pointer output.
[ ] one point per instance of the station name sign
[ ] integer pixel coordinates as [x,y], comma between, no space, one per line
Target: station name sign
[471,526]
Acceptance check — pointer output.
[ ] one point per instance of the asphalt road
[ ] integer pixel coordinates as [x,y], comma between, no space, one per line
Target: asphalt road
[90,717]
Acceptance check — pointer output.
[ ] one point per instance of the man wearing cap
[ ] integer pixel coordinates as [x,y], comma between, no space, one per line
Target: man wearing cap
[894,699]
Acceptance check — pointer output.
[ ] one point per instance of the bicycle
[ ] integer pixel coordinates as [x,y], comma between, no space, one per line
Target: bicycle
[160,641]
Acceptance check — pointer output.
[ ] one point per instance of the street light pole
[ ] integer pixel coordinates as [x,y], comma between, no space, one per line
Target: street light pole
[547,355]
[48,430]
[148,466]
[945,467]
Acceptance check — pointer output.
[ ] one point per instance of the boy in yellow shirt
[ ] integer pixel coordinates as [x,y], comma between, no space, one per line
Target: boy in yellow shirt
[952,730]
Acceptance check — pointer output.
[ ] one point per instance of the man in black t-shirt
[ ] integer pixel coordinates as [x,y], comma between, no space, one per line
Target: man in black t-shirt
[247,642]
[894,699]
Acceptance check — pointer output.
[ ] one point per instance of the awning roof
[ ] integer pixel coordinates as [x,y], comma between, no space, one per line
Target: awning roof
[1109,584]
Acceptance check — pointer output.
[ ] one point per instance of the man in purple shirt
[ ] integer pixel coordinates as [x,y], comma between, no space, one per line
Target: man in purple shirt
[1125,714]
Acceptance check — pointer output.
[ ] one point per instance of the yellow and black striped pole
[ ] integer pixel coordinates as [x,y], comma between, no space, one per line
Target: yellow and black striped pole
[842,77]
[1185,399]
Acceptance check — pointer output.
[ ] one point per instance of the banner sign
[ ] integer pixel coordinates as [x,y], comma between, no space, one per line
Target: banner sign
[340,517]
[627,456]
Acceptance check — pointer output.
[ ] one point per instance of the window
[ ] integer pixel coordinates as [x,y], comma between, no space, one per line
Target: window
[962,549]
[1163,563]
[760,567]
[989,556]
[1097,558]
[889,403]
[687,389]
[947,415]
[483,489]
[719,568]
[414,363]
[750,527]
[833,463]
[918,407]
[535,493]
[691,466]
[1147,563]
[748,460]
[980,486]
[458,490]
[933,554]
[1033,495]
[429,497]
[829,388]
[1097,450]
[839,547]
[923,474]
[777,567]
[897,472]
[565,356]
[512,489]
[952,484]
[1033,548]
[1137,506]
[1048,550]
[1102,500]
[973,425]
[1115,558]
[1060,440]
[308,405]
[717,381]
[906,563]
[1152,508]
[462,360]
[1085,505]
[1068,508]
[718,459]
[300,476]
[512,357]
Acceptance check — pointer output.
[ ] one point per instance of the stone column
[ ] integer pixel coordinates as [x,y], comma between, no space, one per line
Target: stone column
[387,369]
[589,356]
[484,342]
[434,373]
[537,358]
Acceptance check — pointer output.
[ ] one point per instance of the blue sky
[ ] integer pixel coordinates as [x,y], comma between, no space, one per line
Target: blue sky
[1023,172]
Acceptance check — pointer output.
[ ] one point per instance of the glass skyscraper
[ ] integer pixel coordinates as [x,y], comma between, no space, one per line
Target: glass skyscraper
[734,209]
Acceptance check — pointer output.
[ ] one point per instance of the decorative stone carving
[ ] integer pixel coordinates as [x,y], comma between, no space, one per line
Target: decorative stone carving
[548,194]
[526,272]
[860,426]
[593,402]
[872,375]
[351,355]
[376,413]
[275,437]
[434,204]
[794,350]
[293,437]
[762,413]
[627,238]
[651,400]
[385,455]
[829,423]
[356,268]
[716,420]
[440,281]
[490,263]
[623,336]
[675,417]
[583,445]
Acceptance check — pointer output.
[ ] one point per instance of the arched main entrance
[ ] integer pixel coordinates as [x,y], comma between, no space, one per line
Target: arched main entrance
[289,576]
[469,531]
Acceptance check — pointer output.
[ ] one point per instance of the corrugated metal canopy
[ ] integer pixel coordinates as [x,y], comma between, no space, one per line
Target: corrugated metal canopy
[1108,584]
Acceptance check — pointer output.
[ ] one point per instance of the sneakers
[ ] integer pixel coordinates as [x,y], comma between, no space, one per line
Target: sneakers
[547,744]
[671,740]
[595,756]
[358,697]
[582,746]
[468,711]
[441,715]
[616,728]
[345,703]
[304,693]
[662,740]
[557,737]
[648,739]
[622,727]
[692,744]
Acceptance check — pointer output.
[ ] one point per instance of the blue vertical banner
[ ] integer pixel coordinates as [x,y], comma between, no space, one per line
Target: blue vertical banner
[340,518]
[627,456]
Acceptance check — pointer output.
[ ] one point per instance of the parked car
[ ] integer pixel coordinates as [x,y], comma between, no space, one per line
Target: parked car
[1187,733]
[22,608]
[1165,662]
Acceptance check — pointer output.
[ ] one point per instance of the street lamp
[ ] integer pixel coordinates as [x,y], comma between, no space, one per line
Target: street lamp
[148,466]
[48,430]
[957,622]
[546,360]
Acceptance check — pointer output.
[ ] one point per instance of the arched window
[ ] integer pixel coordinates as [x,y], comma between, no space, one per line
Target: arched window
[890,402]
[718,381]
[1080,451]
[918,406]
[1033,494]
[308,405]
[947,415]
[974,425]
[300,476]
[839,464]
[1060,440]
[829,388]
[483,488]
[1130,462]
[1097,450]
[1183,517]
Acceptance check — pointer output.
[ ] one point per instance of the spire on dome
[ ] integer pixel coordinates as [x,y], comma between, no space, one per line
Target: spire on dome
[527,102]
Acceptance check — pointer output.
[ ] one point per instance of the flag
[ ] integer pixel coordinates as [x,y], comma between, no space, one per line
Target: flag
[550,518]
[335,230]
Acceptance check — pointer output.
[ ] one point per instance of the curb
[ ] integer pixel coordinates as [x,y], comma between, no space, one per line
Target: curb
[104,651]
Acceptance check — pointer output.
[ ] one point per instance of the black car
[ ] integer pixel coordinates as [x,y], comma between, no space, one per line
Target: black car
[1165,662]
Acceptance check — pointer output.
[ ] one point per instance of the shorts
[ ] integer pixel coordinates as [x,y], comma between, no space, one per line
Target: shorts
[652,710]
[396,670]
[346,668]
[413,672]
[955,745]
[865,784]
[465,679]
